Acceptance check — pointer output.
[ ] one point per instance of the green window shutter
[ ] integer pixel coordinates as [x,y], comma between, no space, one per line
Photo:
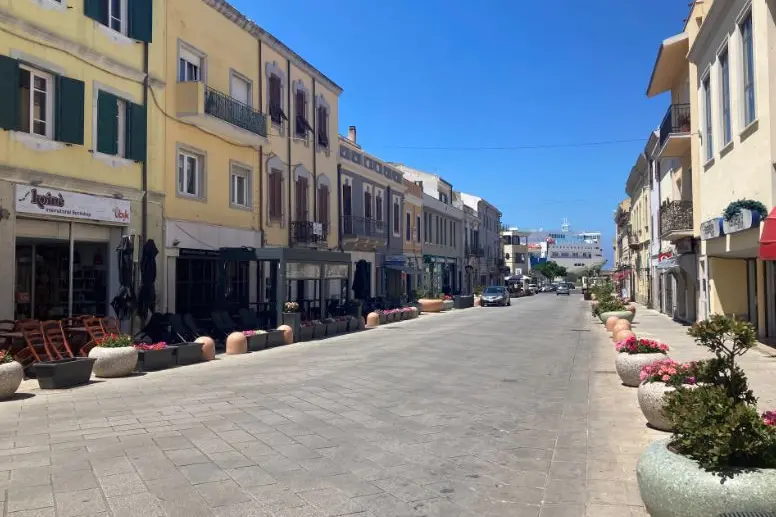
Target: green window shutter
[69,111]
[9,93]
[137,128]
[107,123]
[97,10]
[140,19]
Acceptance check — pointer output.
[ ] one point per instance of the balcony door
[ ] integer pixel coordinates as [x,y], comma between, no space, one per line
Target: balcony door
[240,89]
[301,199]
[347,208]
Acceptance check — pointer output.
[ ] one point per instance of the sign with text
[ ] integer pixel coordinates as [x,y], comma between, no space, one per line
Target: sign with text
[743,220]
[60,203]
[711,229]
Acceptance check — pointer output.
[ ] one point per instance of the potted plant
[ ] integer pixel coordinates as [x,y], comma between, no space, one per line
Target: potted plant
[683,121]
[721,457]
[115,356]
[635,353]
[292,317]
[306,329]
[658,379]
[157,356]
[11,375]
[257,339]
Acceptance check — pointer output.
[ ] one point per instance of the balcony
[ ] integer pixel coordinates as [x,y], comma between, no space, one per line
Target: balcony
[219,113]
[362,233]
[676,220]
[675,136]
[309,233]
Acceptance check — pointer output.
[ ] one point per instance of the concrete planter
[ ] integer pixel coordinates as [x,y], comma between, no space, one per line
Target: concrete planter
[652,402]
[463,301]
[629,366]
[11,375]
[152,360]
[430,304]
[64,373]
[187,353]
[672,485]
[114,362]
[625,315]
[447,305]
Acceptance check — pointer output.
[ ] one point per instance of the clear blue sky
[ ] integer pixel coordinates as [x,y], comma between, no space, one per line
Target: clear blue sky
[465,75]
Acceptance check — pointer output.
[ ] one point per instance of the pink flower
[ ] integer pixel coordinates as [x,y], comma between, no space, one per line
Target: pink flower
[769,418]
[666,378]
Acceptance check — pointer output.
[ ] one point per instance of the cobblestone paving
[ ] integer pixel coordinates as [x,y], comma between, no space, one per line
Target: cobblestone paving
[483,412]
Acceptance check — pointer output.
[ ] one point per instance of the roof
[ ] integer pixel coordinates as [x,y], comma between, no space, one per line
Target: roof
[671,56]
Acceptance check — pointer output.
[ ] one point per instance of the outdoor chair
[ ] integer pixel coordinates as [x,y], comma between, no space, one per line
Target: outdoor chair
[180,330]
[222,325]
[35,348]
[111,325]
[94,332]
[6,326]
[57,341]
[229,322]
[249,319]
[157,330]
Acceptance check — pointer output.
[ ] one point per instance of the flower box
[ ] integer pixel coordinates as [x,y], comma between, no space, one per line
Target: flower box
[331,328]
[319,330]
[152,360]
[306,332]
[257,341]
[383,318]
[187,353]
[342,326]
[275,338]
[64,373]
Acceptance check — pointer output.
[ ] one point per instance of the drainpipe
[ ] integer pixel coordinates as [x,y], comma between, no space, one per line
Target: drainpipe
[339,207]
[315,159]
[259,198]
[144,164]
[288,145]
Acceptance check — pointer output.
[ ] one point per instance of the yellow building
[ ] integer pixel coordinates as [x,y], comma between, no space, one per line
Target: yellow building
[622,251]
[639,230]
[413,238]
[252,153]
[81,153]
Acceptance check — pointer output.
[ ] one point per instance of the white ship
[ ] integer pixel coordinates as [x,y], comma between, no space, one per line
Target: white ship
[576,251]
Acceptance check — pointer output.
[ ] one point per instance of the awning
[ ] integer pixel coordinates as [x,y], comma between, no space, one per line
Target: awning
[768,237]
[671,61]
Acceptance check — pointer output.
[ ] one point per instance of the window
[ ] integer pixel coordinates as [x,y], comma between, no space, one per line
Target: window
[417,229]
[323,127]
[117,15]
[368,203]
[120,127]
[724,71]
[748,61]
[379,214]
[408,227]
[239,186]
[240,89]
[708,143]
[302,126]
[276,113]
[189,174]
[396,216]
[323,204]
[275,192]
[36,95]
[300,192]
[189,65]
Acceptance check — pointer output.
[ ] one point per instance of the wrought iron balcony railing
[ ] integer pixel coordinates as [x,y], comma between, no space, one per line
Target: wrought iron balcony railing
[676,122]
[355,226]
[308,232]
[676,217]
[231,110]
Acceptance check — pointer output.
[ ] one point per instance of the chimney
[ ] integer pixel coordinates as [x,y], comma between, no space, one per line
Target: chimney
[352,134]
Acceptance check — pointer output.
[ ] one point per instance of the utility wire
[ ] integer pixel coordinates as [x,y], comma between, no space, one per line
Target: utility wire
[510,147]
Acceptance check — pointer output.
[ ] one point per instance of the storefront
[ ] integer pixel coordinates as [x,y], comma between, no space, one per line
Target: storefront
[63,252]
[440,275]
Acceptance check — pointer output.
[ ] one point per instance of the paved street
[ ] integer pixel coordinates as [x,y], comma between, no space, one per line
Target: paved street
[482,412]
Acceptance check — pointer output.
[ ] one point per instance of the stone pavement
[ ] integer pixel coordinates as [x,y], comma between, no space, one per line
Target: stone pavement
[483,412]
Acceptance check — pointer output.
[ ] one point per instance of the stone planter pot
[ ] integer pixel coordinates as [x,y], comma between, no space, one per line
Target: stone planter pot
[629,366]
[114,362]
[652,402]
[383,318]
[319,331]
[625,315]
[430,305]
[256,342]
[463,301]
[342,326]
[187,353]
[293,320]
[11,375]
[672,485]
[447,305]
[152,360]
[306,333]
[64,373]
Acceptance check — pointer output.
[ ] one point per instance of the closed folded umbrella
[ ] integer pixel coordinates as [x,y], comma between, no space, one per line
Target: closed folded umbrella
[124,302]
[146,300]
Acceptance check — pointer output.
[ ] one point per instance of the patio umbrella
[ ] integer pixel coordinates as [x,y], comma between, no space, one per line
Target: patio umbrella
[360,280]
[146,300]
[124,302]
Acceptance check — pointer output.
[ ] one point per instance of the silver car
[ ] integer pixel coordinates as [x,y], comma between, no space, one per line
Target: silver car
[495,295]
[562,289]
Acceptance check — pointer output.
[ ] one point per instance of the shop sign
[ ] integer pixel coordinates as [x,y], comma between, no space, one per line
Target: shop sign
[60,203]
[743,220]
[712,229]
[195,253]
[395,260]
[318,229]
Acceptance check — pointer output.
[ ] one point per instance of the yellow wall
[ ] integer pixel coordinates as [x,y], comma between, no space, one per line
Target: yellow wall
[412,246]
[727,281]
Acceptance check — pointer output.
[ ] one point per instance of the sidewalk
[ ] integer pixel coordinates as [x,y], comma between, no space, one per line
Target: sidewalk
[617,431]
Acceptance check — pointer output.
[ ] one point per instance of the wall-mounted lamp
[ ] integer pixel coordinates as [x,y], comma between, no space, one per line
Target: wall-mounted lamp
[35,183]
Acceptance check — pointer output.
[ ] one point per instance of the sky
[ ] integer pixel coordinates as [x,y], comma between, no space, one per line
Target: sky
[537,106]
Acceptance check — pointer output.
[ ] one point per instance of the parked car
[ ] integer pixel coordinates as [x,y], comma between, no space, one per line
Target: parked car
[495,295]
[562,289]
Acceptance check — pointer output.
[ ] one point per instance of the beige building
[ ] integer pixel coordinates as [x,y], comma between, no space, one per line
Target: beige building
[515,244]
[638,189]
[622,273]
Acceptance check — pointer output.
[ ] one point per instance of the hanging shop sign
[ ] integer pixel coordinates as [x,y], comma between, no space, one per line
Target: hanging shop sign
[395,260]
[743,220]
[60,203]
[712,229]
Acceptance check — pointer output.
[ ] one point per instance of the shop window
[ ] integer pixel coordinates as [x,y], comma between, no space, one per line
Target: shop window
[195,286]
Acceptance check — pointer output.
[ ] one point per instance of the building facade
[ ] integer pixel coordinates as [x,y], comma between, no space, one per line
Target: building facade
[473,254]
[371,222]
[413,236]
[515,244]
[81,153]
[637,188]
[493,269]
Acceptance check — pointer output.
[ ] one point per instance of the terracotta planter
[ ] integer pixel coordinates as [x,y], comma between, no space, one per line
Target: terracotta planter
[672,485]
[622,335]
[288,334]
[430,305]
[372,320]
[629,366]
[621,325]
[208,348]
[11,375]
[236,344]
[113,362]
[610,322]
